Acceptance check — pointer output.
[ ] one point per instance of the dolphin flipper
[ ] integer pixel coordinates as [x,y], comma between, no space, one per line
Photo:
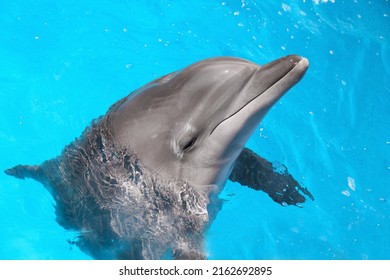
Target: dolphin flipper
[257,173]
[25,171]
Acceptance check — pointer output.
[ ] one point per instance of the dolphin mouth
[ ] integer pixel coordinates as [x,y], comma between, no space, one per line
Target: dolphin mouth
[284,73]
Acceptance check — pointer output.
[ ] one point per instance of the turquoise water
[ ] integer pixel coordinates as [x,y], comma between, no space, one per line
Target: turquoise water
[63,63]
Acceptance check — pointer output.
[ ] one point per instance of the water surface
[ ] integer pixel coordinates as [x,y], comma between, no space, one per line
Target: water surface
[64,63]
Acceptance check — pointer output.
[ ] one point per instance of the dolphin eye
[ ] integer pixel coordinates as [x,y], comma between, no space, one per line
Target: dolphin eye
[188,144]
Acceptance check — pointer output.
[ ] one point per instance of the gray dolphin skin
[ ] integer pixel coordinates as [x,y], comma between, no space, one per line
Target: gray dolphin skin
[142,181]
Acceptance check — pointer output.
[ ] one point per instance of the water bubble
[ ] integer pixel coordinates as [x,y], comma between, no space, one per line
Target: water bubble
[323,238]
[295,229]
[286,7]
[351,183]
[346,193]
[317,2]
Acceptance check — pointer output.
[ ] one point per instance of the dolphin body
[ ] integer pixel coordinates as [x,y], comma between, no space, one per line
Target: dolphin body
[142,181]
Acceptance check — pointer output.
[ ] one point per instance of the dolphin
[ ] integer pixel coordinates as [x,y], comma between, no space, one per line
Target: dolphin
[142,181]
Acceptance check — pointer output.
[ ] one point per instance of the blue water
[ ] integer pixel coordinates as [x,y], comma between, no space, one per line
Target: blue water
[63,63]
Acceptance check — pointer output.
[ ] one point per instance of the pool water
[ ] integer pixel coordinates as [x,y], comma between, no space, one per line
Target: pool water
[63,63]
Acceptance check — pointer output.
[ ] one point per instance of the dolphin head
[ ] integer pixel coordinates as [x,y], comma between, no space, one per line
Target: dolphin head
[192,124]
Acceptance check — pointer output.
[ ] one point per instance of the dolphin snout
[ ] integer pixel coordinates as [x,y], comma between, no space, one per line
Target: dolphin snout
[297,60]
[282,66]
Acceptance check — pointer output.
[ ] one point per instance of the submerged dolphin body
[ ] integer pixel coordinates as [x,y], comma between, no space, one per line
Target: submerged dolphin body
[142,181]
